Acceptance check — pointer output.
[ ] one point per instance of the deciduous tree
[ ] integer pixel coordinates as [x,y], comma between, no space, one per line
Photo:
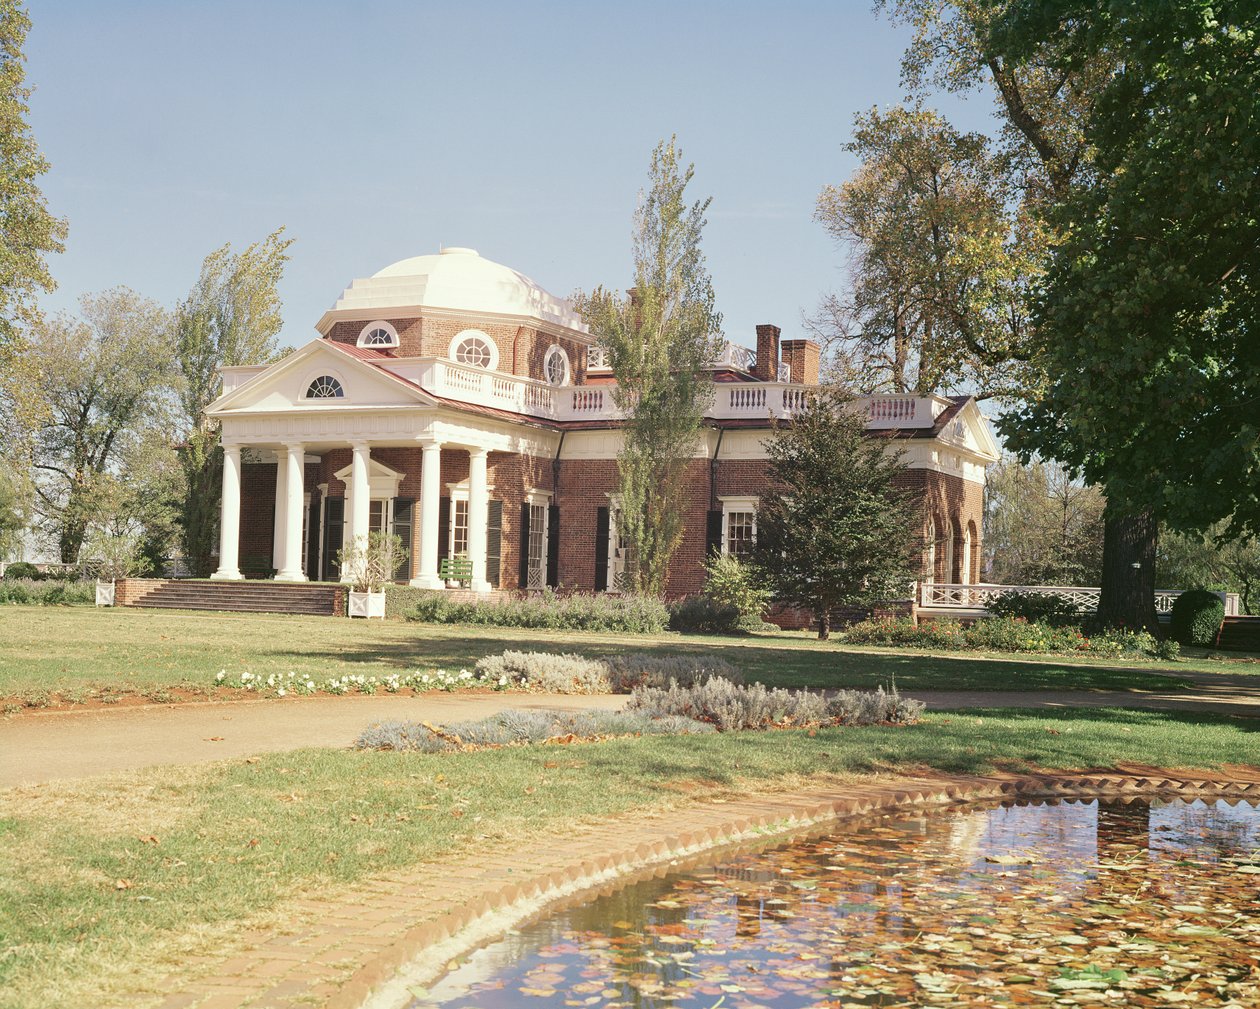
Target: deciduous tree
[659,336]
[231,317]
[835,529]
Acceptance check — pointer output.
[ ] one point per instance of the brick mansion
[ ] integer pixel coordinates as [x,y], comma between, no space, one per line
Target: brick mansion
[452,401]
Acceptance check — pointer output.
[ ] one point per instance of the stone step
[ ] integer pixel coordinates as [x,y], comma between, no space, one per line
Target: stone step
[1240,634]
[237,596]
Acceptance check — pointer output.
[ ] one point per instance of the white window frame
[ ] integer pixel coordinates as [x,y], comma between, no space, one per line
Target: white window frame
[555,350]
[313,376]
[614,539]
[465,334]
[538,533]
[458,493]
[737,505]
[370,327]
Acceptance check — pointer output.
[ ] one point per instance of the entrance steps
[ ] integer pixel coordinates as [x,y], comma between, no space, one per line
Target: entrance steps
[237,597]
[1239,634]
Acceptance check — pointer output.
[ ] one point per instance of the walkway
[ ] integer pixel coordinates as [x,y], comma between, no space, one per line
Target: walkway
[45,746]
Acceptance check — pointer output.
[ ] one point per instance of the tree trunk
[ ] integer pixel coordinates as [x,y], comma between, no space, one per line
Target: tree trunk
[1128,576]
[824,624]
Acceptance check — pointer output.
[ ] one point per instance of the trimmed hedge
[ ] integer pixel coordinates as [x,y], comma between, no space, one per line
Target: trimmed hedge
[1035,607]
[1196,618]
[547,610]
[1003,634]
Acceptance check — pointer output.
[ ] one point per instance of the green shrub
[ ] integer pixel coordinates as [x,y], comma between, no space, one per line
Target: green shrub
[903,631]
[47,593]
[548,610]
[1014,634]
[733,582]
[1035,607]
[867,707]
[1196,618]
[703,615]
[23,571]
[731,707]
[619,674]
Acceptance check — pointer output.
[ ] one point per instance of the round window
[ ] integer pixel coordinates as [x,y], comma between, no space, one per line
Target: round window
[325,387]
[475,351]
[556,366]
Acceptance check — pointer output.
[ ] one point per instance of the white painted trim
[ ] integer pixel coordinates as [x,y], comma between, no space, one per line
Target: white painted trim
[466,334]
[554,349]
[732,503]
[374,325]
[314,374]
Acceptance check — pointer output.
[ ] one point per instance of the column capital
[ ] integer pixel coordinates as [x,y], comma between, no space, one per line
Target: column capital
[360,446]
[295,446]
[478,453]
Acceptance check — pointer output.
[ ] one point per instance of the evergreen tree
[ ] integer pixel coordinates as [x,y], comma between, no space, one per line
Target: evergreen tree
[659,337]
[835,530]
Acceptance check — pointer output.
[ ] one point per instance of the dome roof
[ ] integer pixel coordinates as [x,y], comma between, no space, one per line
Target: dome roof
[456,280]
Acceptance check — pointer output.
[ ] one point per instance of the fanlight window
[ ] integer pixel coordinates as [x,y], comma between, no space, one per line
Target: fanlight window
[475,351]
[378,338]
[556,366]
[325,387]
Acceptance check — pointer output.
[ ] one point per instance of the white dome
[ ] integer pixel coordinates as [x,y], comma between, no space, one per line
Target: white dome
[456,280]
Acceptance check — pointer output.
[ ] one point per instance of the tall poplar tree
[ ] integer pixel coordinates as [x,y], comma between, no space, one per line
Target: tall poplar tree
[659,337]
[231,317]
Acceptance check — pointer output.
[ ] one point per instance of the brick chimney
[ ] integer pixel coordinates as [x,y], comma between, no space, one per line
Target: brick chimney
[767,352]
[803,357]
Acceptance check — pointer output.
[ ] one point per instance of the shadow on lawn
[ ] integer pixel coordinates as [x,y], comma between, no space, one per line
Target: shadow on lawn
[784,666]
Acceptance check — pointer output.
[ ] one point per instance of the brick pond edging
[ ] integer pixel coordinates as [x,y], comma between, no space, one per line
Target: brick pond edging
[361,947]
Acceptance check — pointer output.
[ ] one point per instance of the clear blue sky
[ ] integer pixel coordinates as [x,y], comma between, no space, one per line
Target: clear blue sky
[376,131]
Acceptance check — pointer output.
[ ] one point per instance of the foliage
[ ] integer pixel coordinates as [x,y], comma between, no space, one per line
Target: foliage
[30,232]
[110,554]
[519,727]
[874,707]
[1147,314]
[1041,526]
[230,318]
[549,610]
[939,263]
[1004,634]
[1211,560]
[12,517]
[834,530]
[1196,618]
[702,614]
[44,592]
[1037,607]
[103,382]
[370,564]
[23,570]
[736,582]
[659,338]
[618,674]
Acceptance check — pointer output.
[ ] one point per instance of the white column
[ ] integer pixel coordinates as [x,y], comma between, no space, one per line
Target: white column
[230,516]
[295,456]
[360,501]
[430,498]
[478,517]
[280,512]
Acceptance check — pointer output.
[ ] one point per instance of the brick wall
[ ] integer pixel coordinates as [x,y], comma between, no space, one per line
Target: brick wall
[258,516]
[521,348]
[803,357]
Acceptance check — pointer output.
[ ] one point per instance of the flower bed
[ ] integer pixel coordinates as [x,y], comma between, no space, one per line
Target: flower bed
[1006,634]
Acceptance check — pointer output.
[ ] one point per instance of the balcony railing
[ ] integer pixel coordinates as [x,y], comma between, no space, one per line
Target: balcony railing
[732,400]
[730,356]
[948,596]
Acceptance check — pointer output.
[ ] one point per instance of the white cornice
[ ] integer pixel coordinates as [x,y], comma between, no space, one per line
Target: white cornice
[334,315]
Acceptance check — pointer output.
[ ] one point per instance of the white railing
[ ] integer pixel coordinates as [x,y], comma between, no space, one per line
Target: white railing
[729,356]
[731,400]
[951,596]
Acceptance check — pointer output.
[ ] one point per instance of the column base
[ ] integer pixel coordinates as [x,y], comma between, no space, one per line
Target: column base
[290,576]
[427,582]
[227,576]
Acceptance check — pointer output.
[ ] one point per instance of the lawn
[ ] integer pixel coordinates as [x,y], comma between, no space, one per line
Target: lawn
[79,653]
[205,849]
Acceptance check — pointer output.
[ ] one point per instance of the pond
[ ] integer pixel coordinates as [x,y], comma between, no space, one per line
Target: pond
[1133,903]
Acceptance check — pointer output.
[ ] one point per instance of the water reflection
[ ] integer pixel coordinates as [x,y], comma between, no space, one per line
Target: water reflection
[1132,903]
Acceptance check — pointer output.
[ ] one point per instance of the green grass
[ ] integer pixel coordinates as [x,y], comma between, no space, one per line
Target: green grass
[82,652]
[235,839]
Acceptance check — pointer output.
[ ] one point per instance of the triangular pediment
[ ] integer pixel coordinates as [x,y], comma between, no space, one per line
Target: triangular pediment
[971,430]
[284,386]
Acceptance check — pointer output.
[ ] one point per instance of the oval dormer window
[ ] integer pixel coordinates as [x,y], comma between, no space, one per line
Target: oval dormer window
[556,365]
[325,387]
[475,349]
[378,334]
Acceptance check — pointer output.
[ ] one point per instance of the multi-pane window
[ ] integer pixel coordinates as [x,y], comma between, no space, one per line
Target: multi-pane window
[459,527]
[536,568]
[377,514]
[325,387]
[556,366]
[378,337]
[475,351]
[741,532]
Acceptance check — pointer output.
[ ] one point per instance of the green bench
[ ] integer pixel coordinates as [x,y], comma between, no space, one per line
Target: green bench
[455,569]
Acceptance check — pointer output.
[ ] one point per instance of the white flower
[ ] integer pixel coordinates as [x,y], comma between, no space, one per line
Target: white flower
[220,676]
[280,692]
[503,681]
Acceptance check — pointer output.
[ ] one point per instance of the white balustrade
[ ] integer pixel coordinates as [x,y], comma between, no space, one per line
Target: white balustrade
[951,596]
